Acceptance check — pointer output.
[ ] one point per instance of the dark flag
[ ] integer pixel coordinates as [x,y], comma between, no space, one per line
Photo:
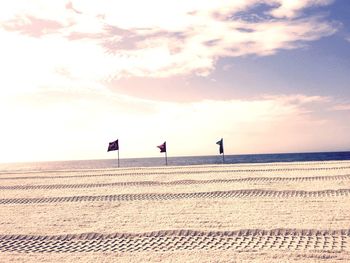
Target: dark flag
[221,144]
[113,146]
[162,147]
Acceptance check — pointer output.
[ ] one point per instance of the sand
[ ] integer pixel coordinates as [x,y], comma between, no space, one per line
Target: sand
[278,212]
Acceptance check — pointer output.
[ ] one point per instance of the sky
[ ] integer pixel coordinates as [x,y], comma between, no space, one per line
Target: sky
[268,76]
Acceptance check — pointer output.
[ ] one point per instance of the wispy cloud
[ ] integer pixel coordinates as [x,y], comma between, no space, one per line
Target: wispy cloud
[32,26]
[287,8]
[104,40]
[341,107]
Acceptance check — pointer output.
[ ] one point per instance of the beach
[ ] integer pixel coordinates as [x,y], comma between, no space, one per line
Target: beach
[267,212]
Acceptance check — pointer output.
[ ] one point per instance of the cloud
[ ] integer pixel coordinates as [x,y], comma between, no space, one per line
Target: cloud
[105,40]
[298,99]
[290,8]
[341,107]
[32,26]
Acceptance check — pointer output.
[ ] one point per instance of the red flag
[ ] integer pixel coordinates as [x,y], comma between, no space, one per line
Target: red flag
[113,146]
[162,147]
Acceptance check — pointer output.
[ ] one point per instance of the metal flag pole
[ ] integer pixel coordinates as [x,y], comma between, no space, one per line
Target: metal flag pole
[118,159]
[223,152]
[114,146]
[162,148]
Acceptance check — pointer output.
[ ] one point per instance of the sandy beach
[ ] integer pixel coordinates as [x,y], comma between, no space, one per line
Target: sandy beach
[277,212]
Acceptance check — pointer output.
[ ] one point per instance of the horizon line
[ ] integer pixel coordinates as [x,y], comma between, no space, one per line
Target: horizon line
[183,156]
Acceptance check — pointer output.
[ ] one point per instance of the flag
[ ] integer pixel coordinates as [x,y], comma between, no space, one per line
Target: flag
[113,146]
[162,147]
[221,144]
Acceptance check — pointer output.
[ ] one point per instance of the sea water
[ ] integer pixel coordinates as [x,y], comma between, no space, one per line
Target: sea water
[174,161]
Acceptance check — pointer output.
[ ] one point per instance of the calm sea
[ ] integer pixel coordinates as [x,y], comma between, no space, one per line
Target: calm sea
[193,160]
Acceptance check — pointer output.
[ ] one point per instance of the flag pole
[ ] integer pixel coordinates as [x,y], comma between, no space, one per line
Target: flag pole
[118,158]
[223,151]
[162,148]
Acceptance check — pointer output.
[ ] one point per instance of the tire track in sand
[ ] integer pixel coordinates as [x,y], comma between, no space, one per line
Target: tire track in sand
[179,182]
[184,167]
[177,173]
[182,240]
[176,196]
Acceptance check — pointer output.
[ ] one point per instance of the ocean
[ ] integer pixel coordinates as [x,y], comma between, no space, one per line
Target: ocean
[173,161]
